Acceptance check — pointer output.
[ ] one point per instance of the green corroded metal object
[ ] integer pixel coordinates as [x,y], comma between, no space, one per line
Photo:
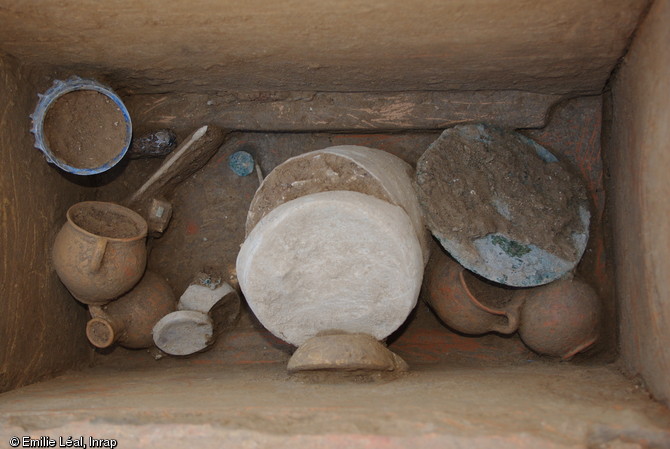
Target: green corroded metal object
[510,247]
[242,163]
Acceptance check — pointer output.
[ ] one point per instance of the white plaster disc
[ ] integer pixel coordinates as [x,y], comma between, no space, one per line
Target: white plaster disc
[344,167]
[332,261]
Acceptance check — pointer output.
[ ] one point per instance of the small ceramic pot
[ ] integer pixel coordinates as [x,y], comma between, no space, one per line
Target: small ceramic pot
[450,293]
[560,319]
[100,252]
[130,319]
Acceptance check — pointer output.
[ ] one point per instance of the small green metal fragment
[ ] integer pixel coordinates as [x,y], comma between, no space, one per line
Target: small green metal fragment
[514,249]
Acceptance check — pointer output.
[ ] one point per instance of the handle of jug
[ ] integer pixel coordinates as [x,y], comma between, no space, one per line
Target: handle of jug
[98,254]
[509,321]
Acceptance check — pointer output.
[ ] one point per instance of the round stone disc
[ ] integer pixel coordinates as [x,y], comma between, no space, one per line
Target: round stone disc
[502,205]
[331,261]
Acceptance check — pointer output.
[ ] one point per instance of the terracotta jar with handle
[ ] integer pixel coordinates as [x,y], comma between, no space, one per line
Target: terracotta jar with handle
[467,303]
[100,252]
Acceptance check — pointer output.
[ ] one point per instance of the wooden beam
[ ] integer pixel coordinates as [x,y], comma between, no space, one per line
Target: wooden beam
[322,111]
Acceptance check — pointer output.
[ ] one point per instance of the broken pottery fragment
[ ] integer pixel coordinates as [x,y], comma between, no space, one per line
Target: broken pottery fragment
[158,216]
[184,332]
[213,297]
[205,310]
[502,205]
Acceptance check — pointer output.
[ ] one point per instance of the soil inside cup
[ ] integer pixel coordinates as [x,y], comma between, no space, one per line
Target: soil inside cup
[105,223]
[85,129]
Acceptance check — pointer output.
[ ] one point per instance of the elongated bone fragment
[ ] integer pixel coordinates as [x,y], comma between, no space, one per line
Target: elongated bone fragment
[190,156]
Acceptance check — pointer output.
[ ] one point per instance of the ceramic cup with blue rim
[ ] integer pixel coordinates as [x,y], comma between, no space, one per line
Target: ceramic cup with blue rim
[81,126]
